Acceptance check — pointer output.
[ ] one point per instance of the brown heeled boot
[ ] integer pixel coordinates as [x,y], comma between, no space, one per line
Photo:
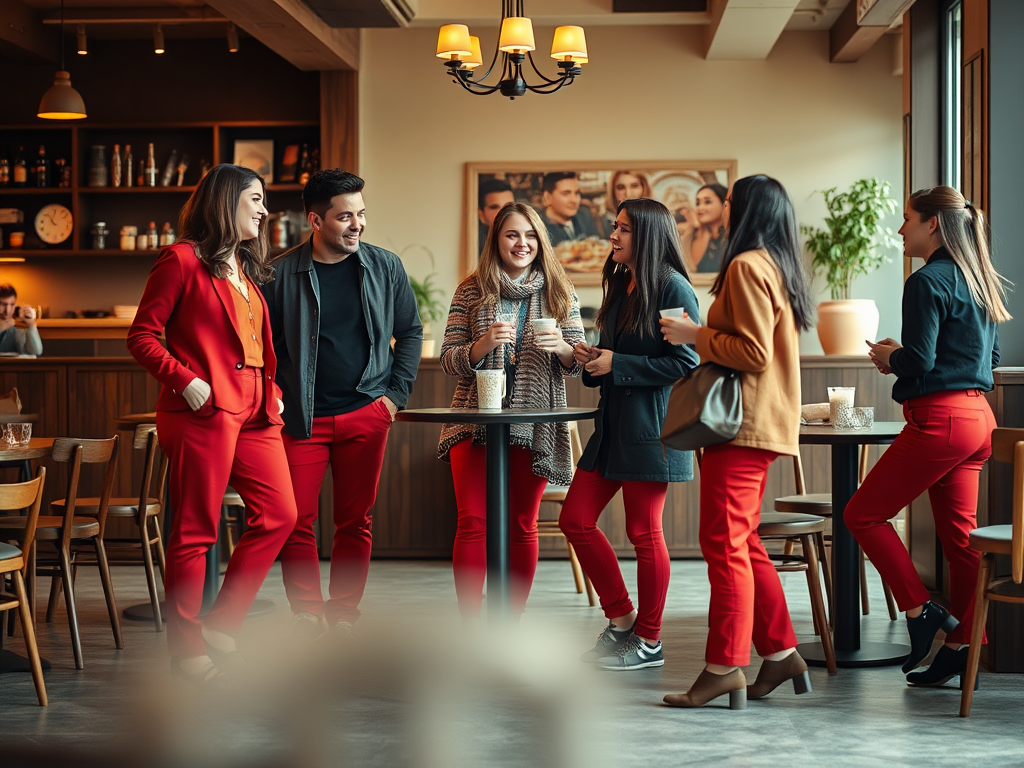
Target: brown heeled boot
[772,674]
[710,686]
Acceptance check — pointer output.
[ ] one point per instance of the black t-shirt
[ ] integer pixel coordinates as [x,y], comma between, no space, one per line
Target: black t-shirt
[343,347]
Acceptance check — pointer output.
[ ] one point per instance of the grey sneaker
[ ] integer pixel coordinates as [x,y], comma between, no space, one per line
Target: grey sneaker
[608,642]
[342,631]
[306,627]
[634,654]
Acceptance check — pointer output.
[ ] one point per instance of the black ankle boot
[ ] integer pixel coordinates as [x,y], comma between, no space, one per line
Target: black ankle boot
[923,630]
[946,665]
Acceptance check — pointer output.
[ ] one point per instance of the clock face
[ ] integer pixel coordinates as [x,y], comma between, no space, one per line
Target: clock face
[54,224]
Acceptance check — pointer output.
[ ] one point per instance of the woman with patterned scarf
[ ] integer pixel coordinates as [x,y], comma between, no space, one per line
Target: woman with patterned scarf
[517,280]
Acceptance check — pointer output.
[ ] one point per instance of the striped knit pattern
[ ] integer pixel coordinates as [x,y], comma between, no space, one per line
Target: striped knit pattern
[538,381]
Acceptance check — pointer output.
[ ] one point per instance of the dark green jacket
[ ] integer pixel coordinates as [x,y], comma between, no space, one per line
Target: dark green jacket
[634,398]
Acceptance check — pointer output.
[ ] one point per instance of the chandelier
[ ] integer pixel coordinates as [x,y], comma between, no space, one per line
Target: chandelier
[515,44]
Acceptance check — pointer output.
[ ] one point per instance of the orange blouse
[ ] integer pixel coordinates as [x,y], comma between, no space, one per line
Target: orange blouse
[248,323]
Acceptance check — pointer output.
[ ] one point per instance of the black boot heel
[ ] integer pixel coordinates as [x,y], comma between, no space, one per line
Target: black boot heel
[738,699]
[923,629]
[949,624]
[977,681]
[802,684]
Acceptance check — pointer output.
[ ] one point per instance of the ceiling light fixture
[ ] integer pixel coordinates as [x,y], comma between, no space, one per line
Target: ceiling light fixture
[83,44]
[515,45]
[62,102]
[158,38]
[232,37]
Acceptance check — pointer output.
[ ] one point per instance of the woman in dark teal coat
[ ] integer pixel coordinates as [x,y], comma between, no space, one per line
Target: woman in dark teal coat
[635,369]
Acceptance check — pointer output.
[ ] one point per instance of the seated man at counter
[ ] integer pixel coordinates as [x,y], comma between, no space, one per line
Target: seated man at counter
[12,339]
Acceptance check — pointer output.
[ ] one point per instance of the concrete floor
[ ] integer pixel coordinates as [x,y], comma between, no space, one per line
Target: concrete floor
[418,688]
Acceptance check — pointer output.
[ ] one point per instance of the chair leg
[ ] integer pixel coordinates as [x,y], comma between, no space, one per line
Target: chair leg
[577,572]
[69,601]
[158,539]
[890,602]
[826,571]
[817,604]
[974,654]
[591,592]
[30,638]
[56,583]
[147,559]
[865,604]
[108,591]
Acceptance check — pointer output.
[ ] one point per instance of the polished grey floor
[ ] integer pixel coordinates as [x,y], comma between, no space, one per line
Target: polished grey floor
[418,687]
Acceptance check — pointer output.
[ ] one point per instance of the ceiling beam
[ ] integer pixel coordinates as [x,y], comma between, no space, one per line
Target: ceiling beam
[746,30]
[294,32]
[848,40]
[21,29]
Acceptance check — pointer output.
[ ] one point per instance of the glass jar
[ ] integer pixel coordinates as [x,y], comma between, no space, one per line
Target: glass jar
[99,234]
[99,174]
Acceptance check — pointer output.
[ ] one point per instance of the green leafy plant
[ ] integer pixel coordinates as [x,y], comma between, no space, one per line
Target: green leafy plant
[427,294]
[854,242]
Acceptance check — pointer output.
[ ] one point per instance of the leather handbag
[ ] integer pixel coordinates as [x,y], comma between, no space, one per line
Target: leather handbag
[704,408]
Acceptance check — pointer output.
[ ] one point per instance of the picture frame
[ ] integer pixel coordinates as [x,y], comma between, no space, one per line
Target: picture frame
[581,244]
[256,155]
[289,165]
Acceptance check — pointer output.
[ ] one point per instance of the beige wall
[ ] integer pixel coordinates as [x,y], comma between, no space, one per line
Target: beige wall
[647,95]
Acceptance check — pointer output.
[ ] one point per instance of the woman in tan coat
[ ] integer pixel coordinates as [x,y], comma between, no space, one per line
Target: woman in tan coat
[761,302]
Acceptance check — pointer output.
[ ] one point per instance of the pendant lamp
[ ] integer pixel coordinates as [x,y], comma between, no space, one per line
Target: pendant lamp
[62,102]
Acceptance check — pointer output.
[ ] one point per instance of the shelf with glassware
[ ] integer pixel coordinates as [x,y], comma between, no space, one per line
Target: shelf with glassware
[107,197]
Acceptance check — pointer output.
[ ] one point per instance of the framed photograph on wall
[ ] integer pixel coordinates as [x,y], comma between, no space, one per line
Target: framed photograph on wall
[578,202]
[256,155]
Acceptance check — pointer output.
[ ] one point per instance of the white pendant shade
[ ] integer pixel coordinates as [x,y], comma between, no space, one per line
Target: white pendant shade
[453,42]
[569,42]
[62,102]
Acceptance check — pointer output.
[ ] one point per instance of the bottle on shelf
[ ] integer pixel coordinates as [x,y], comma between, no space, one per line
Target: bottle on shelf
[182,168]
[42,169]
[149,171]
[115,167]
[172,164]
[314,160]
[5,168]
[154,236]
[62,172]
[19,173]
[129,163]
[99,174]
[167,235]
[304,161]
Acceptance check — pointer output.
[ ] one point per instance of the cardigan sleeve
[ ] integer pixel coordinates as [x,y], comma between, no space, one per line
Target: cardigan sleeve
[747,299]
[458,334]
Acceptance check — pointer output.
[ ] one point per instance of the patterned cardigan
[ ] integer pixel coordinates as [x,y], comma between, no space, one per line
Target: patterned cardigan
[538,380]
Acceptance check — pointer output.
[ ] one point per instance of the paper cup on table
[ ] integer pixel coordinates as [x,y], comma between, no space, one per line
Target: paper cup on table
[490,389]
[544,325]
[673,312]
[840,405]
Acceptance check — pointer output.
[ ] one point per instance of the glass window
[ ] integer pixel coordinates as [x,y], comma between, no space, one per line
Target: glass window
[952,111]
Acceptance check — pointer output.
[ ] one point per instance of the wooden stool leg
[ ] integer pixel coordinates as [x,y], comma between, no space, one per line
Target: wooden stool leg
[865,604]
[890,602]
[591,593]
[159,539]
[147,560]
[817,604]
[577,572]
[56,584]
[826,571]
[974,654]
[30,638]
[69,601]
[108,591]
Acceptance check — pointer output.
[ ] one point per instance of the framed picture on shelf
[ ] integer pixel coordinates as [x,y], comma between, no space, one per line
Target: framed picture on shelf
[289,164]
[256,155]
[578,202]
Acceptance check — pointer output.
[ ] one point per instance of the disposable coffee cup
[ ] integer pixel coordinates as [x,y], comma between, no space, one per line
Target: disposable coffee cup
[544,325]
[490,389]
[673,312]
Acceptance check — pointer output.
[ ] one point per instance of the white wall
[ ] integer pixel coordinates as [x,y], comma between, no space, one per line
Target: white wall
[647,95]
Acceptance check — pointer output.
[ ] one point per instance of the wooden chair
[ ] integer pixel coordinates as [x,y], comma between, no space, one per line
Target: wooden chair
[149,501]
[820,504]
[14,562]
[232,517]
[556,494]
[992,540]
[805,529]
[70,527]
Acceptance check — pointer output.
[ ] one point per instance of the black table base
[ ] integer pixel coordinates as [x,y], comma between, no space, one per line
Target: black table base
[12,662]
[869,655]
[497,520]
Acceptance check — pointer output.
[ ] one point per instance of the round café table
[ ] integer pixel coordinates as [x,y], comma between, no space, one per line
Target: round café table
[497,424]
[846,554]
[23,464]
[37,448]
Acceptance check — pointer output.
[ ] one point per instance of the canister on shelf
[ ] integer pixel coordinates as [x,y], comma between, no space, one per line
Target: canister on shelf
[99,233]
[167,234]
[98,172]
[128,234]
[142,242]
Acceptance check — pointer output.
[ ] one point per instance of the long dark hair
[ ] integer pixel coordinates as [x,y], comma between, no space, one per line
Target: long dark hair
[207,221]
[761,218]
[655,248]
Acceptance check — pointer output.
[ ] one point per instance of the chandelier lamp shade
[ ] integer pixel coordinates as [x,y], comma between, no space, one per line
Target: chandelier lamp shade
[61,101]
[516,44]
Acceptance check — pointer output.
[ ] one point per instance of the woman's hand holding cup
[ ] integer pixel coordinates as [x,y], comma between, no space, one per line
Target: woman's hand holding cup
[677,327]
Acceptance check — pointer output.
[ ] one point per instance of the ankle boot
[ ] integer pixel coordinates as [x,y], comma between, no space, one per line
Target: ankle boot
[772,674]
[923,630]
[946,665]
[710,686]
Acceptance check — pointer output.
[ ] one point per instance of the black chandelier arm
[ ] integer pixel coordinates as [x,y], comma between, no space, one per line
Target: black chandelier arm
[540,74]
[559,84]
[478,89]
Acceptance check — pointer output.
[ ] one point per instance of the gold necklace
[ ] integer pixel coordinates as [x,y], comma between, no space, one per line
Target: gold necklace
[245,295]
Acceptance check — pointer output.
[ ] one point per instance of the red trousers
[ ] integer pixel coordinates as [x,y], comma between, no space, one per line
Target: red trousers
[353,444]
[942,449]
[208,451]
[588,495]
[747,602]
[469,556]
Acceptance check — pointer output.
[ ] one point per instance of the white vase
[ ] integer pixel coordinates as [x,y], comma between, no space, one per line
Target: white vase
[844,325]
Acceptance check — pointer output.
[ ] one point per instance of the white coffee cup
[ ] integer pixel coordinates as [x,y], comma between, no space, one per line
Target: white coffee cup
[544,325]
[490,389]
[673,312]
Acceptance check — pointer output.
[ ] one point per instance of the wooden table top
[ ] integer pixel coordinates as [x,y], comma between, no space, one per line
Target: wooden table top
[496,416]
[129,421]
[37,448]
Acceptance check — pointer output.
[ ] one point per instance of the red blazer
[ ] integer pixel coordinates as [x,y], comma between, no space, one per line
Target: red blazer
[196,314]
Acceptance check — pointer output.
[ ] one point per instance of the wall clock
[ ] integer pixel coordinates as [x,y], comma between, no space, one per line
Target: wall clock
[54,223]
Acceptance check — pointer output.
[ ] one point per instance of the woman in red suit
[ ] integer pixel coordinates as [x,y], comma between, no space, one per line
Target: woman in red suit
[218,415]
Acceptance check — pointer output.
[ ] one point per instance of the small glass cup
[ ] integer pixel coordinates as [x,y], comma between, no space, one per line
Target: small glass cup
[8,435]
[18,433]
[864,417]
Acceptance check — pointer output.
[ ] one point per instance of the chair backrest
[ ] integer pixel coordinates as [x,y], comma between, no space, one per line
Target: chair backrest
[76,452]
[146,437]
[28,495]
[1008,447]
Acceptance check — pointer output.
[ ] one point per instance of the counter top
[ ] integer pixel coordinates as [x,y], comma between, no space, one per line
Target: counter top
[84,322]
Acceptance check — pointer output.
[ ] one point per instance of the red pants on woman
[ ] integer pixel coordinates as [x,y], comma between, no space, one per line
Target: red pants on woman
[942,449]
[353,443]
[588,495]
[747,602]
[209,450]
[469,557]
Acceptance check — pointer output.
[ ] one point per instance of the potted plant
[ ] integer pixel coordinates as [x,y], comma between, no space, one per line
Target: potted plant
[427,303]
[853,242]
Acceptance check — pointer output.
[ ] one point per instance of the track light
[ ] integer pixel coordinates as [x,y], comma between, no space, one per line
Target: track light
[232,38]
[83,45]
[158,38]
